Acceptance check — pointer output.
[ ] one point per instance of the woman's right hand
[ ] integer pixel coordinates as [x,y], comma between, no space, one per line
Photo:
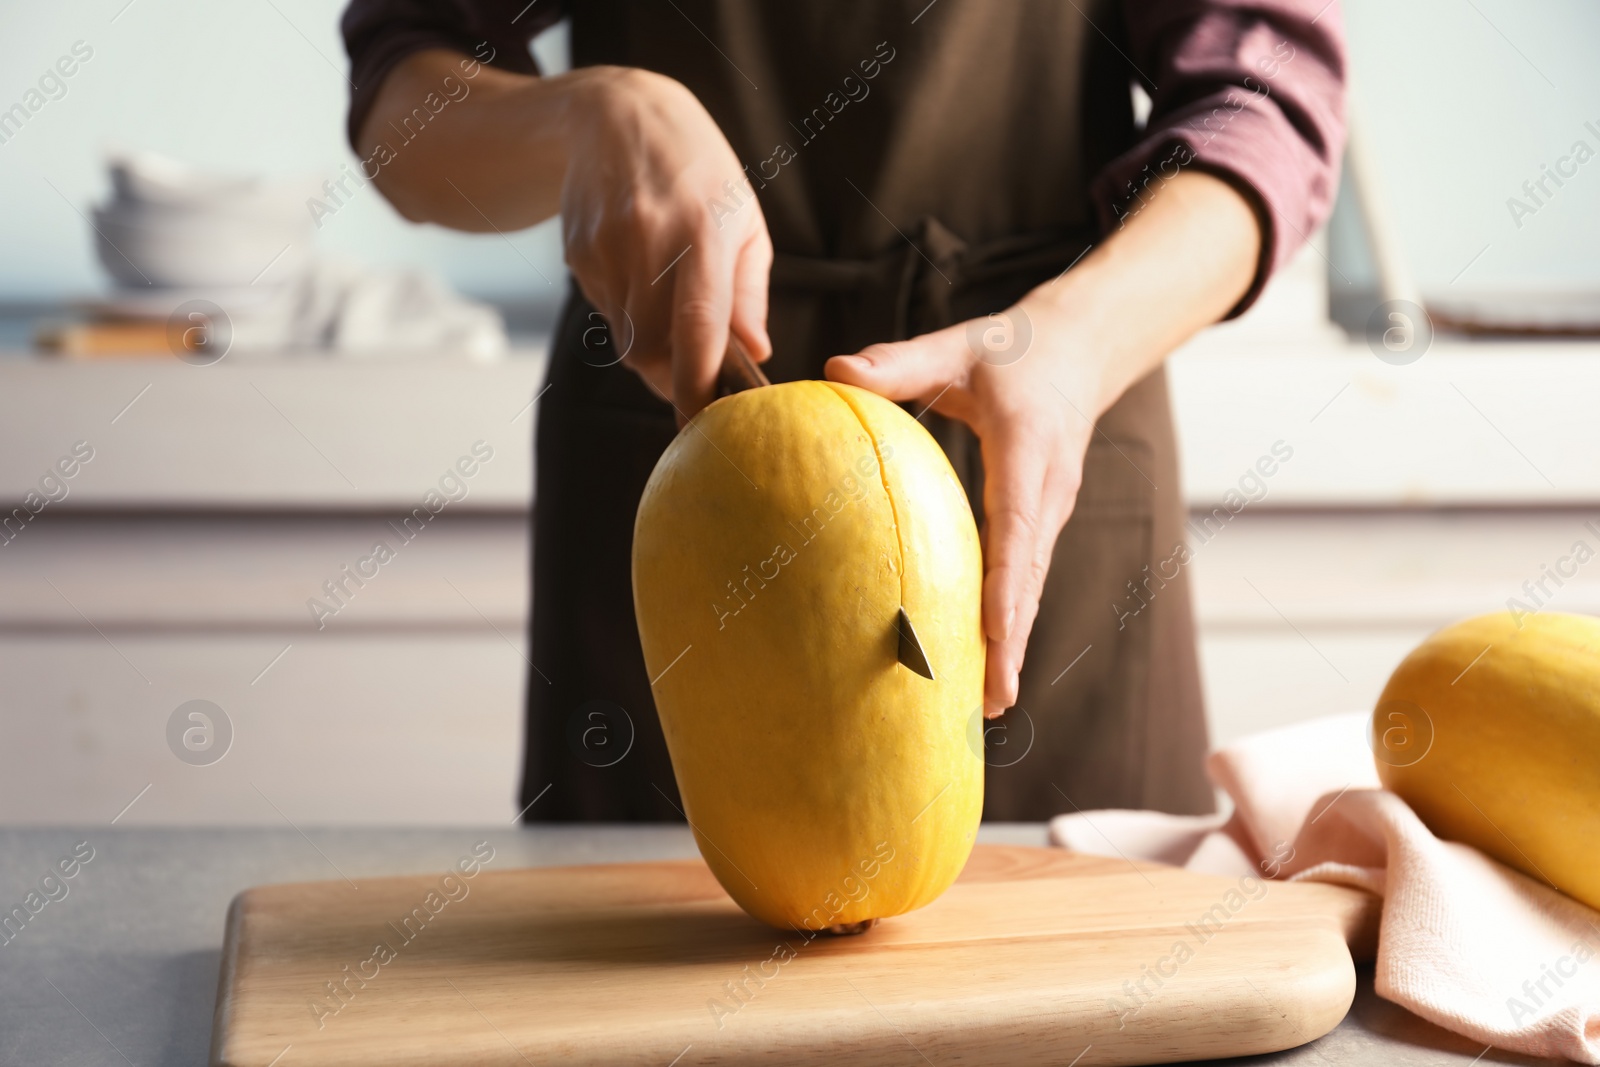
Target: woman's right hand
[645,238]
[662,229]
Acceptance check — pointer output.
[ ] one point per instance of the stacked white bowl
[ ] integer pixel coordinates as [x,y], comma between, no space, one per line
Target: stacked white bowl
[237,251]
[171,227]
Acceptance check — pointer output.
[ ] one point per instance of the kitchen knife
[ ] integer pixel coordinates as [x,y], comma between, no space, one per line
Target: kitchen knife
[739,371]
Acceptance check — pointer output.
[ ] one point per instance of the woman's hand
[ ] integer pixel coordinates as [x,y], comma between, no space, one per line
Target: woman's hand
[662,230]
[646,166]
[1032,381]
[1032,412]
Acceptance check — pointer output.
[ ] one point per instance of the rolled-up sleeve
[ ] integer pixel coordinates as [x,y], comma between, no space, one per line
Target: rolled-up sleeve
[380,33]
[1250,91]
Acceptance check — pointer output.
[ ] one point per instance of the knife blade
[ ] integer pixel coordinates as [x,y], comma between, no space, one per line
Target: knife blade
[739,372]
[910,653]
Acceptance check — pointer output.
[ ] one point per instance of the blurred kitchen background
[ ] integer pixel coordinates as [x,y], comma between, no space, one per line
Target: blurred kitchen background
[211,498]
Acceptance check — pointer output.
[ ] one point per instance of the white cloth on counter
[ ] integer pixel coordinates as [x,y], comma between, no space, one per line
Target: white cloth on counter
[341,307]
[1464,941]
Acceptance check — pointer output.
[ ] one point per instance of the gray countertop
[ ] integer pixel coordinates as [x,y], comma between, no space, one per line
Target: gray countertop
[123,969]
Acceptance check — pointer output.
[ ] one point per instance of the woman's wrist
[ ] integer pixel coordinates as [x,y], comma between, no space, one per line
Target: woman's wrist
[1075,328]
[1179,265]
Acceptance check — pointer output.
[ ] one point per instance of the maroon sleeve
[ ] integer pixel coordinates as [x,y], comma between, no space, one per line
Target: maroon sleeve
[380,33]
[1249,90]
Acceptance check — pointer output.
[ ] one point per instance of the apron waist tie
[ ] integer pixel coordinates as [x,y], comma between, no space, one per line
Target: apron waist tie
[936,278]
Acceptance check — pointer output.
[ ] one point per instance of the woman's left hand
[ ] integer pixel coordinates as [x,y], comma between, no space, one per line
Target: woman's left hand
[1031,406]
[1032,381]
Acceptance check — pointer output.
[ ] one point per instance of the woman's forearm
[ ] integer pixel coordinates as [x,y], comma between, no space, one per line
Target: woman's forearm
[492,157]
[1179,264]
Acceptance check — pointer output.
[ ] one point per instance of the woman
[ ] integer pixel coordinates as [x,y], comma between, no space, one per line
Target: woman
[952,200]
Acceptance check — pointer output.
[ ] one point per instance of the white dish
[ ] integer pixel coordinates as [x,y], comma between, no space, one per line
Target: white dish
[178,248]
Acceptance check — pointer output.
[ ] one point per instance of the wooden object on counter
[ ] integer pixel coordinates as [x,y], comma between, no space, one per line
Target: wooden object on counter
[111,338]
[1033,956]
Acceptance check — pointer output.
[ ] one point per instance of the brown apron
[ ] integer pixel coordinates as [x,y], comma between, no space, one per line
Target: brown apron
[936,167]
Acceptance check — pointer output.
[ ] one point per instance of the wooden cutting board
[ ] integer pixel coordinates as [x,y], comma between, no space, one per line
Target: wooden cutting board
[1034,956]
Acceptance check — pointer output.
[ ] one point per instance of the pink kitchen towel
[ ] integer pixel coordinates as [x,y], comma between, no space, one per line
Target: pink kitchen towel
[1464,941]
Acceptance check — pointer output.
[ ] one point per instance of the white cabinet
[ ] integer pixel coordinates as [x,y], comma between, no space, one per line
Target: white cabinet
[180,563]
[1305,613]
